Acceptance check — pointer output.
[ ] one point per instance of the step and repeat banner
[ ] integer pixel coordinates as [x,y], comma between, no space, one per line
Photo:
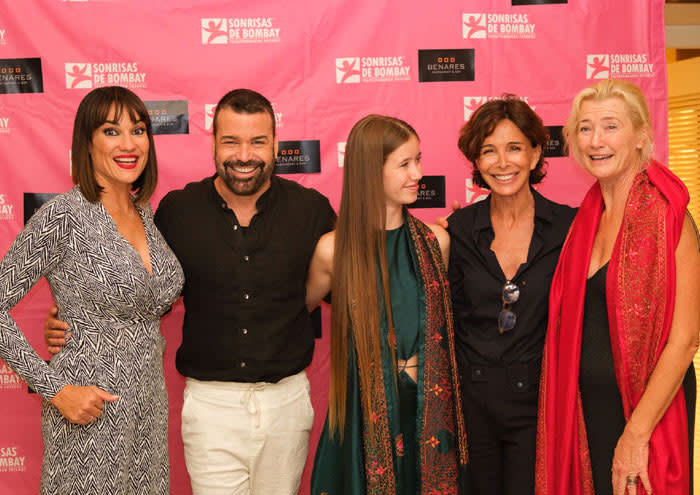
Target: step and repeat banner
[324,65]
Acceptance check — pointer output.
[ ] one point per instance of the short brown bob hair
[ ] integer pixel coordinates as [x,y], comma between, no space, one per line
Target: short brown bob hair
[485,119]
[93,111]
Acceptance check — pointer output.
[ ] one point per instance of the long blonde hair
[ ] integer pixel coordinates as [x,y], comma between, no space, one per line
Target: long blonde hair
[359,245]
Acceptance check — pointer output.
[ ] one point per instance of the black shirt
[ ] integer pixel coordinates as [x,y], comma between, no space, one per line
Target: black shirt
[245,313]
[476,281]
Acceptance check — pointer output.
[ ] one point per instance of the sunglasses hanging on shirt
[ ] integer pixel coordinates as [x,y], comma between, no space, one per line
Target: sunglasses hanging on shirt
[507,318]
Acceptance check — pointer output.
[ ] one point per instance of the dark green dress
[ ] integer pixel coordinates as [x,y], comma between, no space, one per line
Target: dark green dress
[339,467]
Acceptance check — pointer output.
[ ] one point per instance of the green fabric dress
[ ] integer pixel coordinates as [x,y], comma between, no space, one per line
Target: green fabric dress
[339,467]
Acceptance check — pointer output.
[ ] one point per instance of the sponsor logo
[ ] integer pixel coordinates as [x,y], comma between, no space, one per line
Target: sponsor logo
[537,2]
[7,209]
[446,65]
[618,66]
[494,25]
[473,193]
[214,31]
[87,75]
[33,201]
[431,192]
[78,76]
[8,378]
[3,37]
[21,75]
[279,122]
[169,116]
[4,121]
[341,154]
[222,31]
[371,69]
[11,459]
[347,70]
[209,110]
[555,143]
[597,66]
[471,103]
[298,157]
[474,26]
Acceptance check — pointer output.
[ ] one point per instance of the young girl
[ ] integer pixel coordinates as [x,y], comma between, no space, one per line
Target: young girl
[394,422]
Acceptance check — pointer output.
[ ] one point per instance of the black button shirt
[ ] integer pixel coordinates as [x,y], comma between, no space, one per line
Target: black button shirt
[476,281]
[244,294]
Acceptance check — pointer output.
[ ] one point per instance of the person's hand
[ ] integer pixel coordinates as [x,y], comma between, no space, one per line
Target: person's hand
[630,464]
[442,221]
[81,405]
[55,331]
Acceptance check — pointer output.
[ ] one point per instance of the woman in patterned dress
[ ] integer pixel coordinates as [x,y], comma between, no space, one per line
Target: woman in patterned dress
[394,421]
[105,415]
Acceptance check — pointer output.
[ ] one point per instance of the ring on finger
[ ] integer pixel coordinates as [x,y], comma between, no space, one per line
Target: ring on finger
[632,480]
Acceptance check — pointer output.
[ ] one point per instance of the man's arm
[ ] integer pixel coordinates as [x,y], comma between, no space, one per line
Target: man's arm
[319,280]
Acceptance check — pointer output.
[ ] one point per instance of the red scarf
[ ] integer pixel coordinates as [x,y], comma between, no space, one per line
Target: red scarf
[441,433]
[640,287]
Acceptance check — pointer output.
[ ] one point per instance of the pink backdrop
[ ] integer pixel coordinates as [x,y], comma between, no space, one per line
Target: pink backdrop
[324,64]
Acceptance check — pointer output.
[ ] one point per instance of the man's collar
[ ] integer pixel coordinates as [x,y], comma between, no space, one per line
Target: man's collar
[267,197]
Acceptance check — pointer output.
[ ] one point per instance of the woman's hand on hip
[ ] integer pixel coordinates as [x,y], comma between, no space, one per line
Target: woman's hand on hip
[81,405]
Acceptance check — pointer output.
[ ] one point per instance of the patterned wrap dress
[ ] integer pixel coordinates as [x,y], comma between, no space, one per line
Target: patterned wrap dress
[113,308]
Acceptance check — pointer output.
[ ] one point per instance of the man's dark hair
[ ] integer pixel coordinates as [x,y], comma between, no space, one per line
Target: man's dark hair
[245,101]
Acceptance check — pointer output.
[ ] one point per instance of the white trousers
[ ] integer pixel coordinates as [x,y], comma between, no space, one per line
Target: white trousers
[246,438]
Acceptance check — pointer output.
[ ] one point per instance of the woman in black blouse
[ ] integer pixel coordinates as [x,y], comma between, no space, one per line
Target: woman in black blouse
[504,251]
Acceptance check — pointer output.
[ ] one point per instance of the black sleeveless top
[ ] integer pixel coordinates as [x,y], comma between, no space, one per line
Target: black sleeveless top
[600,396]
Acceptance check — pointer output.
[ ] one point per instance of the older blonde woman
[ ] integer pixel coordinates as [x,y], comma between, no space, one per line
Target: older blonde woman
[624,314]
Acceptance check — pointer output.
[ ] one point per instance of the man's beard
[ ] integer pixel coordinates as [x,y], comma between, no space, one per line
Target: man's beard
[243,187]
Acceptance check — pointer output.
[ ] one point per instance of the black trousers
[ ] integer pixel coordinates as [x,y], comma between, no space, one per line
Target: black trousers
[500,412]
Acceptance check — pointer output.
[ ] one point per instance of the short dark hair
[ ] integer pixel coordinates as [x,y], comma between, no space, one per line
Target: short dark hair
[93,111]
[485,119]
[245,101]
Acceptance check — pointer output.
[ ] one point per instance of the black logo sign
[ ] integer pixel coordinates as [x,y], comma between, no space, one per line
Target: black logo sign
[299,157]
[169,117]
[33,201]
[21,75]
[431,192]
[446,65]
[555,144]
[537,2]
